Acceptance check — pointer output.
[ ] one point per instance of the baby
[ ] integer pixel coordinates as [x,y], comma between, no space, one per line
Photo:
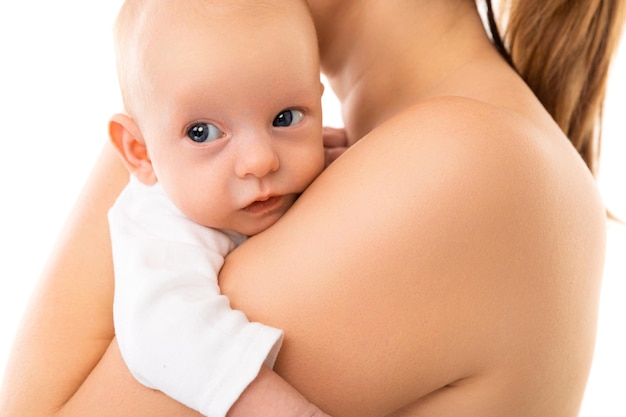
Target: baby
[222,131]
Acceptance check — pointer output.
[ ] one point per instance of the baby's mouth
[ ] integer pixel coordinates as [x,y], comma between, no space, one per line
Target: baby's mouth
[262,206]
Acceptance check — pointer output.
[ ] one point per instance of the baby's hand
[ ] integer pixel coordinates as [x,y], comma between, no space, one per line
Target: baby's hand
[335,143]
[270,395]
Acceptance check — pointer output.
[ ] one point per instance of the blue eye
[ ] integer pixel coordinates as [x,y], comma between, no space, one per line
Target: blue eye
[203,132]
[288,118]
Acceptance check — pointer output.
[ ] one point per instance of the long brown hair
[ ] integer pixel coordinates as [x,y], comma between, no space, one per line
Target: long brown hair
[563,49]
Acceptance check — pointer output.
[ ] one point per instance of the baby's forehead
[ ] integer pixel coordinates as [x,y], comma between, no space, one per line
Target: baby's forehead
[150,21]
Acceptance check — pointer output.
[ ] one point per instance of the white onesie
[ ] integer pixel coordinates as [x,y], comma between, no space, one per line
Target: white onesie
[176,332]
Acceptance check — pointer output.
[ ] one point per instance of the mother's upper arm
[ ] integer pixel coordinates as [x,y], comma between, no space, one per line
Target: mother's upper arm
[396,273]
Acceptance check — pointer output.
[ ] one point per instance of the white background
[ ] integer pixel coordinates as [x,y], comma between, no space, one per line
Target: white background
[57,90]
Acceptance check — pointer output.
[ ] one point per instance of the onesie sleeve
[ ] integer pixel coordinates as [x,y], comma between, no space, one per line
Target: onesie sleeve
[176,332]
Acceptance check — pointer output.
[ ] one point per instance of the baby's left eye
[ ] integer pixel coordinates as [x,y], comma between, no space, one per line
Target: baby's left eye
[288,117]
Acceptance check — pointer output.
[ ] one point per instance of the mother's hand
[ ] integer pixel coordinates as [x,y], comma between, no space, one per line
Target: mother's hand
[335,143]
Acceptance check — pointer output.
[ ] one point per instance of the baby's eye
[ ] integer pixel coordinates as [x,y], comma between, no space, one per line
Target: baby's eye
[288,118]
[204,132]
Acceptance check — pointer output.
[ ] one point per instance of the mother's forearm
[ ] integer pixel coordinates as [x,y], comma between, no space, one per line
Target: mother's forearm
[110,390]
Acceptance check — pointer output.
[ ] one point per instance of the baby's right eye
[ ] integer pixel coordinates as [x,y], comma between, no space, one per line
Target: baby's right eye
[204,132]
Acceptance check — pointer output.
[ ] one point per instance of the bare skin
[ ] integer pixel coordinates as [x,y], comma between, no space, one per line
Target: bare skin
[447,264]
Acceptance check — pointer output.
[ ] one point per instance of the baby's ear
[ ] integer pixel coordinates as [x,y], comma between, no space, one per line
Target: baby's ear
[130,145]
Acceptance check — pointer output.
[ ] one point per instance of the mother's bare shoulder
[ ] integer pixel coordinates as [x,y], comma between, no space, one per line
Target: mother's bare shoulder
[506,229]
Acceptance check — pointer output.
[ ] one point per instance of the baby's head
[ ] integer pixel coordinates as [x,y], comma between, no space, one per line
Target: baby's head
[223,105]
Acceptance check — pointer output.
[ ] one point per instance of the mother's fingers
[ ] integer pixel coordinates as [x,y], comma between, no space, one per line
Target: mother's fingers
[334,137]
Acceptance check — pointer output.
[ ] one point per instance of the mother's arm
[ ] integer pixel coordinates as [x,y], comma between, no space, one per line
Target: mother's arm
[63,361]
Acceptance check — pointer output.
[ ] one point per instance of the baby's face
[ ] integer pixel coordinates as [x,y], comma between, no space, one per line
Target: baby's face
[233,120]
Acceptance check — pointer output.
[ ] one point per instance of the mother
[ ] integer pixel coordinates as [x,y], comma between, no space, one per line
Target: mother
[448,264]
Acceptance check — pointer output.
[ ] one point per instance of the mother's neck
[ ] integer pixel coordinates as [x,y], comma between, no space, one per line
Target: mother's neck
[382,56]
